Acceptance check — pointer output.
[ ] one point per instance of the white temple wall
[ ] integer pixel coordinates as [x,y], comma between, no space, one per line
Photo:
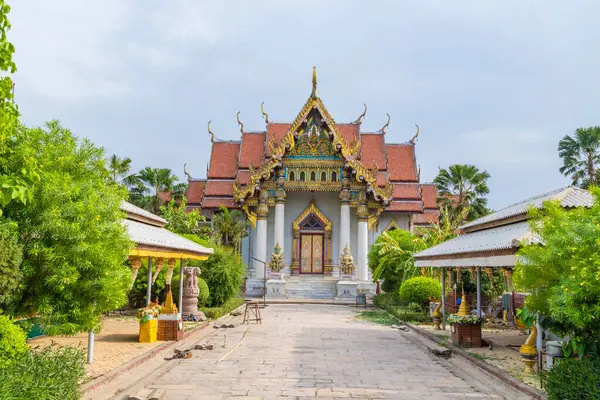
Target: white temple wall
[296,203]
[401,219]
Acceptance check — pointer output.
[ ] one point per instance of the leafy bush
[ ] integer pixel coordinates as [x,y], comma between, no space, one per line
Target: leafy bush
[203,292]
[217,312]
[573,378]
[50,374]
[386,301]
[12,342]
[391,258]
[420,289]
[11,254]
[224,274]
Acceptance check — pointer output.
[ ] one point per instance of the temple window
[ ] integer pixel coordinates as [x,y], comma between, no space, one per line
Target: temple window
[323,176]
[302,176]
[333,176]
[313,176]
[292,176]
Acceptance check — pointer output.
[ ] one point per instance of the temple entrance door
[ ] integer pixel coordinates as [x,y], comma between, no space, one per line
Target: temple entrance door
[311,253]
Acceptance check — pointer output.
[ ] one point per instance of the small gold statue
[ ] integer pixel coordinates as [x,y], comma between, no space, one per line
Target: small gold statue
[347,262]
[276,263]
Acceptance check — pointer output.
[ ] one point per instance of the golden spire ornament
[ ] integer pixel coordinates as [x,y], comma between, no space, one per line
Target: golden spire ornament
[384,128]
[262,110]
[212,135]
[240,122]
[314,83]
[463,310]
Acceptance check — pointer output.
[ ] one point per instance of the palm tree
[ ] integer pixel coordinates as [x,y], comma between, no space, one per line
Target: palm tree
[463,186]
[157,180]
[230,227]
[580,154]
[119,166]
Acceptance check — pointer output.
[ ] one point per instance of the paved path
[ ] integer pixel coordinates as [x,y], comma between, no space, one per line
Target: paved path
[321,352]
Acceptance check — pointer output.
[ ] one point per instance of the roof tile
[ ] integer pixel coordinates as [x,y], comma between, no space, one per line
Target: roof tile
[405,206]
[223,160]
[427,218]
[429,195]
[372,150]
[216,202]
[243,177]
[401,162]
[195,192]
[253,149]
[406,191]
[275,131]
[349,131]
[219,188]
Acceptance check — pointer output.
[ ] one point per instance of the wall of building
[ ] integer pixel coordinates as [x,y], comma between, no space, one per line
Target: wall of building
[401,219]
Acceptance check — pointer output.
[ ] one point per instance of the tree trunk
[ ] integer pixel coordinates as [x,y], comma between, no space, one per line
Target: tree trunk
[590,168]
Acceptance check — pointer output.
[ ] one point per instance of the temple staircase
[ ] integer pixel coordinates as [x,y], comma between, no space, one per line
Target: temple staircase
[310,287]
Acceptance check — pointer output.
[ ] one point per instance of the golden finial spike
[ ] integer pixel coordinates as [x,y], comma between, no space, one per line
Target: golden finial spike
[186,173]
[314,82]
[264,113]
[384,128]
[240,122]
[414,138]
[362,116]
[212,135]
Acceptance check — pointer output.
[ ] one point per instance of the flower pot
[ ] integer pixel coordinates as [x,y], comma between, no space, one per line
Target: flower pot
[148,331]
[466,335]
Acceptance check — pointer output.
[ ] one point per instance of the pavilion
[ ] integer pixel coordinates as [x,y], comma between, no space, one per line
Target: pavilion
[491,242]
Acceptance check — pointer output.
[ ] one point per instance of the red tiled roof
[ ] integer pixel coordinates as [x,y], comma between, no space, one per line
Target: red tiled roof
[381,179]
[195,192]
[216,202]
[401,162]
[371,150]
[253,149]
[427,218]
[165,196]
[349,131]
[223,160]
[415,206]
[406,191]
[244,177]
[429,195]
[275,131]
[218,188]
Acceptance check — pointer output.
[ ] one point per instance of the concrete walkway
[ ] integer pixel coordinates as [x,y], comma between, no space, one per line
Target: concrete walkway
[314,351]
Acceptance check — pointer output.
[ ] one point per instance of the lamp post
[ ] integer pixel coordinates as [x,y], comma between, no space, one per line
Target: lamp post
[264,280]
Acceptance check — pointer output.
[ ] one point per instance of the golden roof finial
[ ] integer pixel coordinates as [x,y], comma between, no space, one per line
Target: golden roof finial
[264,113]
[362,116]
[416,135]
[384,128]
[186,173]
[240,122]
[314,82]
[212,135]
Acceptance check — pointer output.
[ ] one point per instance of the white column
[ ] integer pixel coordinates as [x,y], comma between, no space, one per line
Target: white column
[344,227]
[443,298]
[479,291]
[260,248]
[363,248]
[279,219]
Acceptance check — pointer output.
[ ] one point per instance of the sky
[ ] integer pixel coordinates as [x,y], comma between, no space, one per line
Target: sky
[492,83]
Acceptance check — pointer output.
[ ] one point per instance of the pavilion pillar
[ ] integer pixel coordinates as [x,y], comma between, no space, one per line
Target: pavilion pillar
[443,298]
[479,292]
[280,218]
[344,228]
[363,240]
[260,244]
[149,288]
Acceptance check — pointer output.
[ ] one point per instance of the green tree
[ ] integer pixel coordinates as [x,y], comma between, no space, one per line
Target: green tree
[17,175]
[178,219]
[119,167]
[229,228]
[157,180]
[391,258]
[462,188]
[562,273]
[74,242]
[421,290]
[580,155]
[11,255]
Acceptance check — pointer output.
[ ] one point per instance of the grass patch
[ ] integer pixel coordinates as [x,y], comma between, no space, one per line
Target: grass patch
[480,357]
[378,317]
[217,312]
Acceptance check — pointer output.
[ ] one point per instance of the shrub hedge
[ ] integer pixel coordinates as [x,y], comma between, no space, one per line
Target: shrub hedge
[13,343]
[573,378]
[217,312]
[420,289]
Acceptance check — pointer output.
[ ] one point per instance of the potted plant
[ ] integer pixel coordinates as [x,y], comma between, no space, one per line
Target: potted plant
[148,322]
[465,327]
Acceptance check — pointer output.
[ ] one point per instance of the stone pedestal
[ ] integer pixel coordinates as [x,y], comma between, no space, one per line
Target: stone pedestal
[276,287]
[190,292]
[254,287]
[367,287]
[346,290]
[466,335]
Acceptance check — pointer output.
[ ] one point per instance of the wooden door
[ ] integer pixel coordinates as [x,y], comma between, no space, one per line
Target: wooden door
[311,254]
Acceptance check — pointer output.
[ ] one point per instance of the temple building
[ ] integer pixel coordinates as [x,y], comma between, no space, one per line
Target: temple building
[314,186]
